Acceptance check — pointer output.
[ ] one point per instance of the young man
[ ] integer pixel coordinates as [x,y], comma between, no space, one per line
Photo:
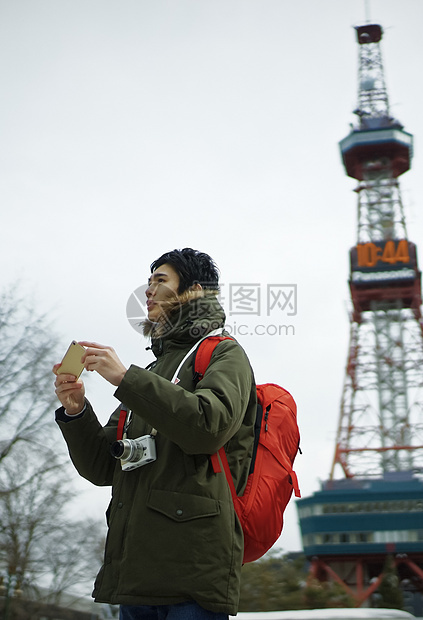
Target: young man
[174,547]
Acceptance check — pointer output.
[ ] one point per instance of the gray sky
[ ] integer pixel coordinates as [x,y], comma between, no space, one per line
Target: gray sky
[130,128]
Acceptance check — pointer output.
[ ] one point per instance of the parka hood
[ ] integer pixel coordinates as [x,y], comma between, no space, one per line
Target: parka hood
[190,317]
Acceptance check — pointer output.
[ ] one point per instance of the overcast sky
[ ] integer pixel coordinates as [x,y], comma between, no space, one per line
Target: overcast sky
[132,127]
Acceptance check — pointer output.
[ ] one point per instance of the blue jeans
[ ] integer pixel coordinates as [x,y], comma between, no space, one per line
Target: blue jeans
[180,611]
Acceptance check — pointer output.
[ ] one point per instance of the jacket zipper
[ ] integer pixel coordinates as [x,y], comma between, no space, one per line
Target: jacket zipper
[266,416]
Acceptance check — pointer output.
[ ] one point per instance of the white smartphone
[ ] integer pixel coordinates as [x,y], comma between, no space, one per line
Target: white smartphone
[71,363]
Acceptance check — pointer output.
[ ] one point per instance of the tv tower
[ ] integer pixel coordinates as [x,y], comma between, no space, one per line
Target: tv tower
[381,423]
[376,507]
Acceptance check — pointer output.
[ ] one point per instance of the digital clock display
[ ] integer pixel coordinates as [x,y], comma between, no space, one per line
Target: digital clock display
[383,262]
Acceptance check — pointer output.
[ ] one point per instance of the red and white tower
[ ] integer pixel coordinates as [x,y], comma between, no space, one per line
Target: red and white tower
[372,504]
[381,423]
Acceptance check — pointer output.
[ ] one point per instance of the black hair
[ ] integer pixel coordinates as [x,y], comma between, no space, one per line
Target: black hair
[192,267]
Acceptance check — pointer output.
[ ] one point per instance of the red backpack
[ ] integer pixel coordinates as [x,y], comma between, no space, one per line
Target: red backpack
[271,478]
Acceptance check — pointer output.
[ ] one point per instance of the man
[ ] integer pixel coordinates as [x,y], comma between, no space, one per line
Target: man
[174,547]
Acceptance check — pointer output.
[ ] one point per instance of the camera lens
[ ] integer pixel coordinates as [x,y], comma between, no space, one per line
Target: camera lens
[117,449]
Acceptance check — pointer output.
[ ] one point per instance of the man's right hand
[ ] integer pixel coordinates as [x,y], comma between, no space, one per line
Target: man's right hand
[69,391]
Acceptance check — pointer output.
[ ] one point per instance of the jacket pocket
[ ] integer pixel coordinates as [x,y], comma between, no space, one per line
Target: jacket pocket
[182,506]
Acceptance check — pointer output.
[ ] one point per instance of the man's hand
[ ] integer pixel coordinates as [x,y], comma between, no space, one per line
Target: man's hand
[103,360]
[69,391]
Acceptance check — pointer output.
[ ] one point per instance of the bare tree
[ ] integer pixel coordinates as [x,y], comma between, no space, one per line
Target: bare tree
[27,353]
[40,547]
[41,551]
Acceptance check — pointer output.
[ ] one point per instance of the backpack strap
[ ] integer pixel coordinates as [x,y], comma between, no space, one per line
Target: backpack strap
[204,353]
[121,424]
[201,362]
[224,460]
[294,480]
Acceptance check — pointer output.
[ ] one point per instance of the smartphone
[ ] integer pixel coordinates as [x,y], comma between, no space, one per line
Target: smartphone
[71,362]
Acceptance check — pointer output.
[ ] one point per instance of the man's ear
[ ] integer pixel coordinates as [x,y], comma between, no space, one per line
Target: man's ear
[196,287]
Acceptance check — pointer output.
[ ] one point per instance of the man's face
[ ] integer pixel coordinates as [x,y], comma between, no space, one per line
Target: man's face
[162,288]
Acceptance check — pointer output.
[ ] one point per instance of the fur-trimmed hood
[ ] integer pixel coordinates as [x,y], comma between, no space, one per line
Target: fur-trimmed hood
[192,315]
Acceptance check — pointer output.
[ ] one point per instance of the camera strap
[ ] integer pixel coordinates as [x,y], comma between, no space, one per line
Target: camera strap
[215,332]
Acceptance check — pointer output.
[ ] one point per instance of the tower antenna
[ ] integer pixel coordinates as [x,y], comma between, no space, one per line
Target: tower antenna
[367,11]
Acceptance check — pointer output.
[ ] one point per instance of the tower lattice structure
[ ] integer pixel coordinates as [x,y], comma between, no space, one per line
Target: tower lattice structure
[370,511]
[381,416]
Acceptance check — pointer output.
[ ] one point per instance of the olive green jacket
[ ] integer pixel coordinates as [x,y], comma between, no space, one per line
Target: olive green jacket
[173,532]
